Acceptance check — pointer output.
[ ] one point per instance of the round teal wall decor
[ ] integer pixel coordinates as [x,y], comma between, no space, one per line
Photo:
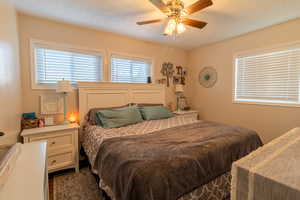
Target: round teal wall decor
[208,77]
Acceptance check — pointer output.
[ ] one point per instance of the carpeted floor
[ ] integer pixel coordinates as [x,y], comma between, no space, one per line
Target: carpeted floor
[74,186]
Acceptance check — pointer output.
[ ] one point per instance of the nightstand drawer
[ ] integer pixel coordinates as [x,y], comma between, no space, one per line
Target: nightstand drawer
[56,141]
[188,115]
[60,160]
[192,116]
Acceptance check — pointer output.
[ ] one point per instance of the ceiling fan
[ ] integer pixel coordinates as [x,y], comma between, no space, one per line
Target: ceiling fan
[176,14]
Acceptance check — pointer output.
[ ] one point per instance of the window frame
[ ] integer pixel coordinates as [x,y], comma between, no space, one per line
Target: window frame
[131,57]
[255,52]
[62,47]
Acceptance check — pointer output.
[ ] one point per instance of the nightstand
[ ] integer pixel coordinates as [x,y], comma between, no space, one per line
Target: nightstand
[193,114]
[62,145]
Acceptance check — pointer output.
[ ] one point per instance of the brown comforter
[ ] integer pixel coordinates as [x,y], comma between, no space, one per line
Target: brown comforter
[167,164]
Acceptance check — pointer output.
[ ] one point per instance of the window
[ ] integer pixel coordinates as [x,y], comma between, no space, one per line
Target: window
[52,65]
[268,78]
[129,70]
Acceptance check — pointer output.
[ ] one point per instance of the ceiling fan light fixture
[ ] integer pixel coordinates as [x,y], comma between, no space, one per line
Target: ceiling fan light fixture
[171,27]
[180,28]
[172,24]
[176,13]
[167,31]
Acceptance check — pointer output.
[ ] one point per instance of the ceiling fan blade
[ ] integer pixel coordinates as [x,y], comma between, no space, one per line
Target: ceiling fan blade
[194,23]
[160,5]
[149,21]
[197,6]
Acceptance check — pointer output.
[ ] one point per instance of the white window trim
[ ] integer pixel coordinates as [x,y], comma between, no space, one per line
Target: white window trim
[253,52]
[63,47]
[133,57]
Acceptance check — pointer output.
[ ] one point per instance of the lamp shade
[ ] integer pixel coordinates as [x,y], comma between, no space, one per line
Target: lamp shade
[63,86]
[179,88]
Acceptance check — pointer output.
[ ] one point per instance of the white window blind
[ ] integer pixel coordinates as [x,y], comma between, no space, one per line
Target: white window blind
[271,77]
[128,70]
[54,65]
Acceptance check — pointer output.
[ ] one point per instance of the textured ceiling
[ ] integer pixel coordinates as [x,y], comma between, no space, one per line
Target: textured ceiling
[226,18]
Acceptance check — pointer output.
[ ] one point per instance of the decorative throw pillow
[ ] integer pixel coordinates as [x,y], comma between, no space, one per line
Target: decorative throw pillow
[155,112]
[91,116]
[114,118]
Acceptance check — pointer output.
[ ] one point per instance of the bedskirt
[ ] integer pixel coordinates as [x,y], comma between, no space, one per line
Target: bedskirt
[217,189]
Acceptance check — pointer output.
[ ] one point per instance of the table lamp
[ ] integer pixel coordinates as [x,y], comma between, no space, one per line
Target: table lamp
[64,87]
[178,91]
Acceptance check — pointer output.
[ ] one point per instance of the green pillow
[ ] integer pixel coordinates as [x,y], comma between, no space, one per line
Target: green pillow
[155,112]
[114,118]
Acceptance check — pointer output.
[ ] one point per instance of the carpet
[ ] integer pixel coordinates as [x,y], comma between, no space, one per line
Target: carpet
[76,186]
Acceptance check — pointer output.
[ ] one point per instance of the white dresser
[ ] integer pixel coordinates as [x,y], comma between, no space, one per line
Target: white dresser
[62,143]
[271,172]
[27,178]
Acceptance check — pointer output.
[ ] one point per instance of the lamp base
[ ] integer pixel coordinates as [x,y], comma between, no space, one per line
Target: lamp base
[65,123]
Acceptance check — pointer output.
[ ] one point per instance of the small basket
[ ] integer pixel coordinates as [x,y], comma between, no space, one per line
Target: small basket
[29,123]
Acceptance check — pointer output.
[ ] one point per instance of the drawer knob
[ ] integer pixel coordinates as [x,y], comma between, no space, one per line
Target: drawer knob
[53,143]
[53,162]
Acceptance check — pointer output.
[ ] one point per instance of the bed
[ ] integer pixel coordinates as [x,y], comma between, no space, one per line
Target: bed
[177,158]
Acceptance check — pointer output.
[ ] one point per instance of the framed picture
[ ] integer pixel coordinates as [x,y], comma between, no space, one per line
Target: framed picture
[51,104]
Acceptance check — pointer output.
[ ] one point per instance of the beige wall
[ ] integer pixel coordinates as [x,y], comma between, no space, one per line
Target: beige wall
[213,104]
[10,89]
[37,28]
[216,103]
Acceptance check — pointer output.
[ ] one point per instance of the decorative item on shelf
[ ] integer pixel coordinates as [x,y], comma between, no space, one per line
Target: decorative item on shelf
[168,71]
[208,77]
[29,120]
[179,93]
[149,79]
[183,103]
[41,123]
[49,121]
[64,87]
[29,123]
[73,118]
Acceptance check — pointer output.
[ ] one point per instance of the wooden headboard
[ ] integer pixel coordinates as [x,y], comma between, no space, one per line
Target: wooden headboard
[93,95]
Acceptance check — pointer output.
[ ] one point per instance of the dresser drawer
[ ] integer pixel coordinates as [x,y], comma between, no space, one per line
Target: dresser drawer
[56,140]
[60,160]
